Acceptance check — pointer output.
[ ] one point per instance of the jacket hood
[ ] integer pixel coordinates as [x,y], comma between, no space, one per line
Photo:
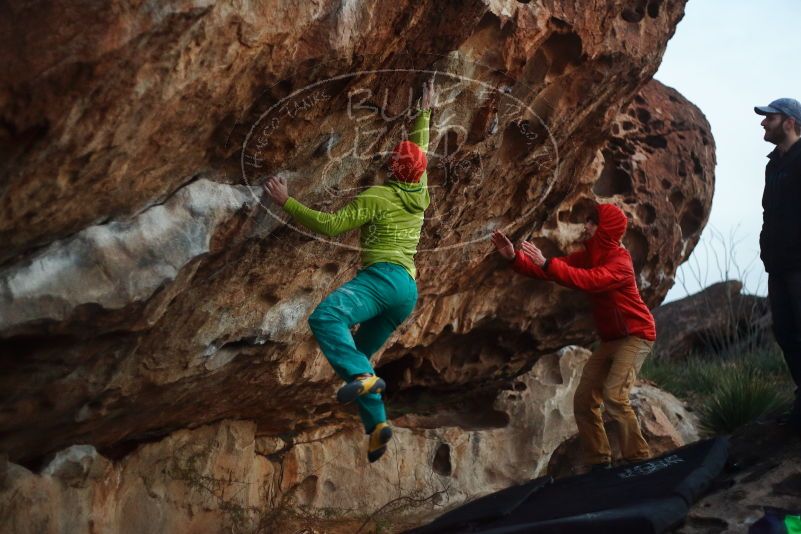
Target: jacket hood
[414,196]
[408,162]
[612,224]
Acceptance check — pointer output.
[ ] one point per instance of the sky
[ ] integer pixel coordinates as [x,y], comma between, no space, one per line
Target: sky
[726,57]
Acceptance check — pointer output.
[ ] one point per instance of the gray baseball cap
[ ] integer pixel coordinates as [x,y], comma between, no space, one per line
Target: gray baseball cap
[789,106]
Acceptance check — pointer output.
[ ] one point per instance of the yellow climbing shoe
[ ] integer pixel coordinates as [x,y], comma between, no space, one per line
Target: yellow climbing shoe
[361,386]
[379,438]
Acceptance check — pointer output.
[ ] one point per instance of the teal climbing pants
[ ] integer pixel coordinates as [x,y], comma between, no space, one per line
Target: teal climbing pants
[379,298]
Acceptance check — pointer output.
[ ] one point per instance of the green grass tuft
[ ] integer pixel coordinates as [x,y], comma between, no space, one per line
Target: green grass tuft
[742,395]
[727,391]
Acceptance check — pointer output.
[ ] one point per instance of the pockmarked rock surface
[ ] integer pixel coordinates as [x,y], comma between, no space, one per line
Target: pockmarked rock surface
[223,476]
[208,477]
[148,289]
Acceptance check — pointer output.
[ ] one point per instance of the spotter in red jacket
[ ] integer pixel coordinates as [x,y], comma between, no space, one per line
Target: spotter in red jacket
[604,270]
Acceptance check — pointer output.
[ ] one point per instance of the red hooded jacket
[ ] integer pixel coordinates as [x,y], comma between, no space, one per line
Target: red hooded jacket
[604,270]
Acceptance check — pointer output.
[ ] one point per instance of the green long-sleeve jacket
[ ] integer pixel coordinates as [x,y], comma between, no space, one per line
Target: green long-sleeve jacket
[390,216]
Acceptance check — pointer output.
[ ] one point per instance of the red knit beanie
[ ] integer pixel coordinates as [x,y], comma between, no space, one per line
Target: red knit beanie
[408,162]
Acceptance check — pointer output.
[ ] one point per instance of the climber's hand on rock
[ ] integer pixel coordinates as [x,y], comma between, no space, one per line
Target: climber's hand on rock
[277,190]
[429,95]
[535,254]
[503,245]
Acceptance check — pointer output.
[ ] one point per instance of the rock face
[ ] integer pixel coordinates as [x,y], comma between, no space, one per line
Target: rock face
[223,477]
[657,166]
[224,472]
[146,287]
[718,319]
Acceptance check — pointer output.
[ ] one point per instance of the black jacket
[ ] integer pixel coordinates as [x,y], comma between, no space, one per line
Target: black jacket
[780,240]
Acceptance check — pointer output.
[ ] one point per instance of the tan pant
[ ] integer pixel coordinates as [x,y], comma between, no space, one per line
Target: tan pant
[609,375]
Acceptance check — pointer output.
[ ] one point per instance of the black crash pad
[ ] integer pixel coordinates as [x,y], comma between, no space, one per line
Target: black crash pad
[643,498]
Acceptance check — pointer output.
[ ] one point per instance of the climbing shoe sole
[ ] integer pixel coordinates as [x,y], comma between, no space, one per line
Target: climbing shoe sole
[356,388]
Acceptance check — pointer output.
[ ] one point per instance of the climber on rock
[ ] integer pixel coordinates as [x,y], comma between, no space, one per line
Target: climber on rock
[383,293]
[603,269]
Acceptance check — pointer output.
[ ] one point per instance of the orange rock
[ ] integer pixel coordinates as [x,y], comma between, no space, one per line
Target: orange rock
[144,289]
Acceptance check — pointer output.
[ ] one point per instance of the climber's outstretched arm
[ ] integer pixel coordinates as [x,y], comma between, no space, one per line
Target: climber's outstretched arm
[419,134]
[355,214]
[420,131]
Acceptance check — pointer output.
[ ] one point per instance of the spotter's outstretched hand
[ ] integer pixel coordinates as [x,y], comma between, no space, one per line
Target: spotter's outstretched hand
[534,253]
[503,245]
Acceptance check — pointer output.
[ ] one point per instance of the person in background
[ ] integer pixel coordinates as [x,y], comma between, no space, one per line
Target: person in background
[780,239]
